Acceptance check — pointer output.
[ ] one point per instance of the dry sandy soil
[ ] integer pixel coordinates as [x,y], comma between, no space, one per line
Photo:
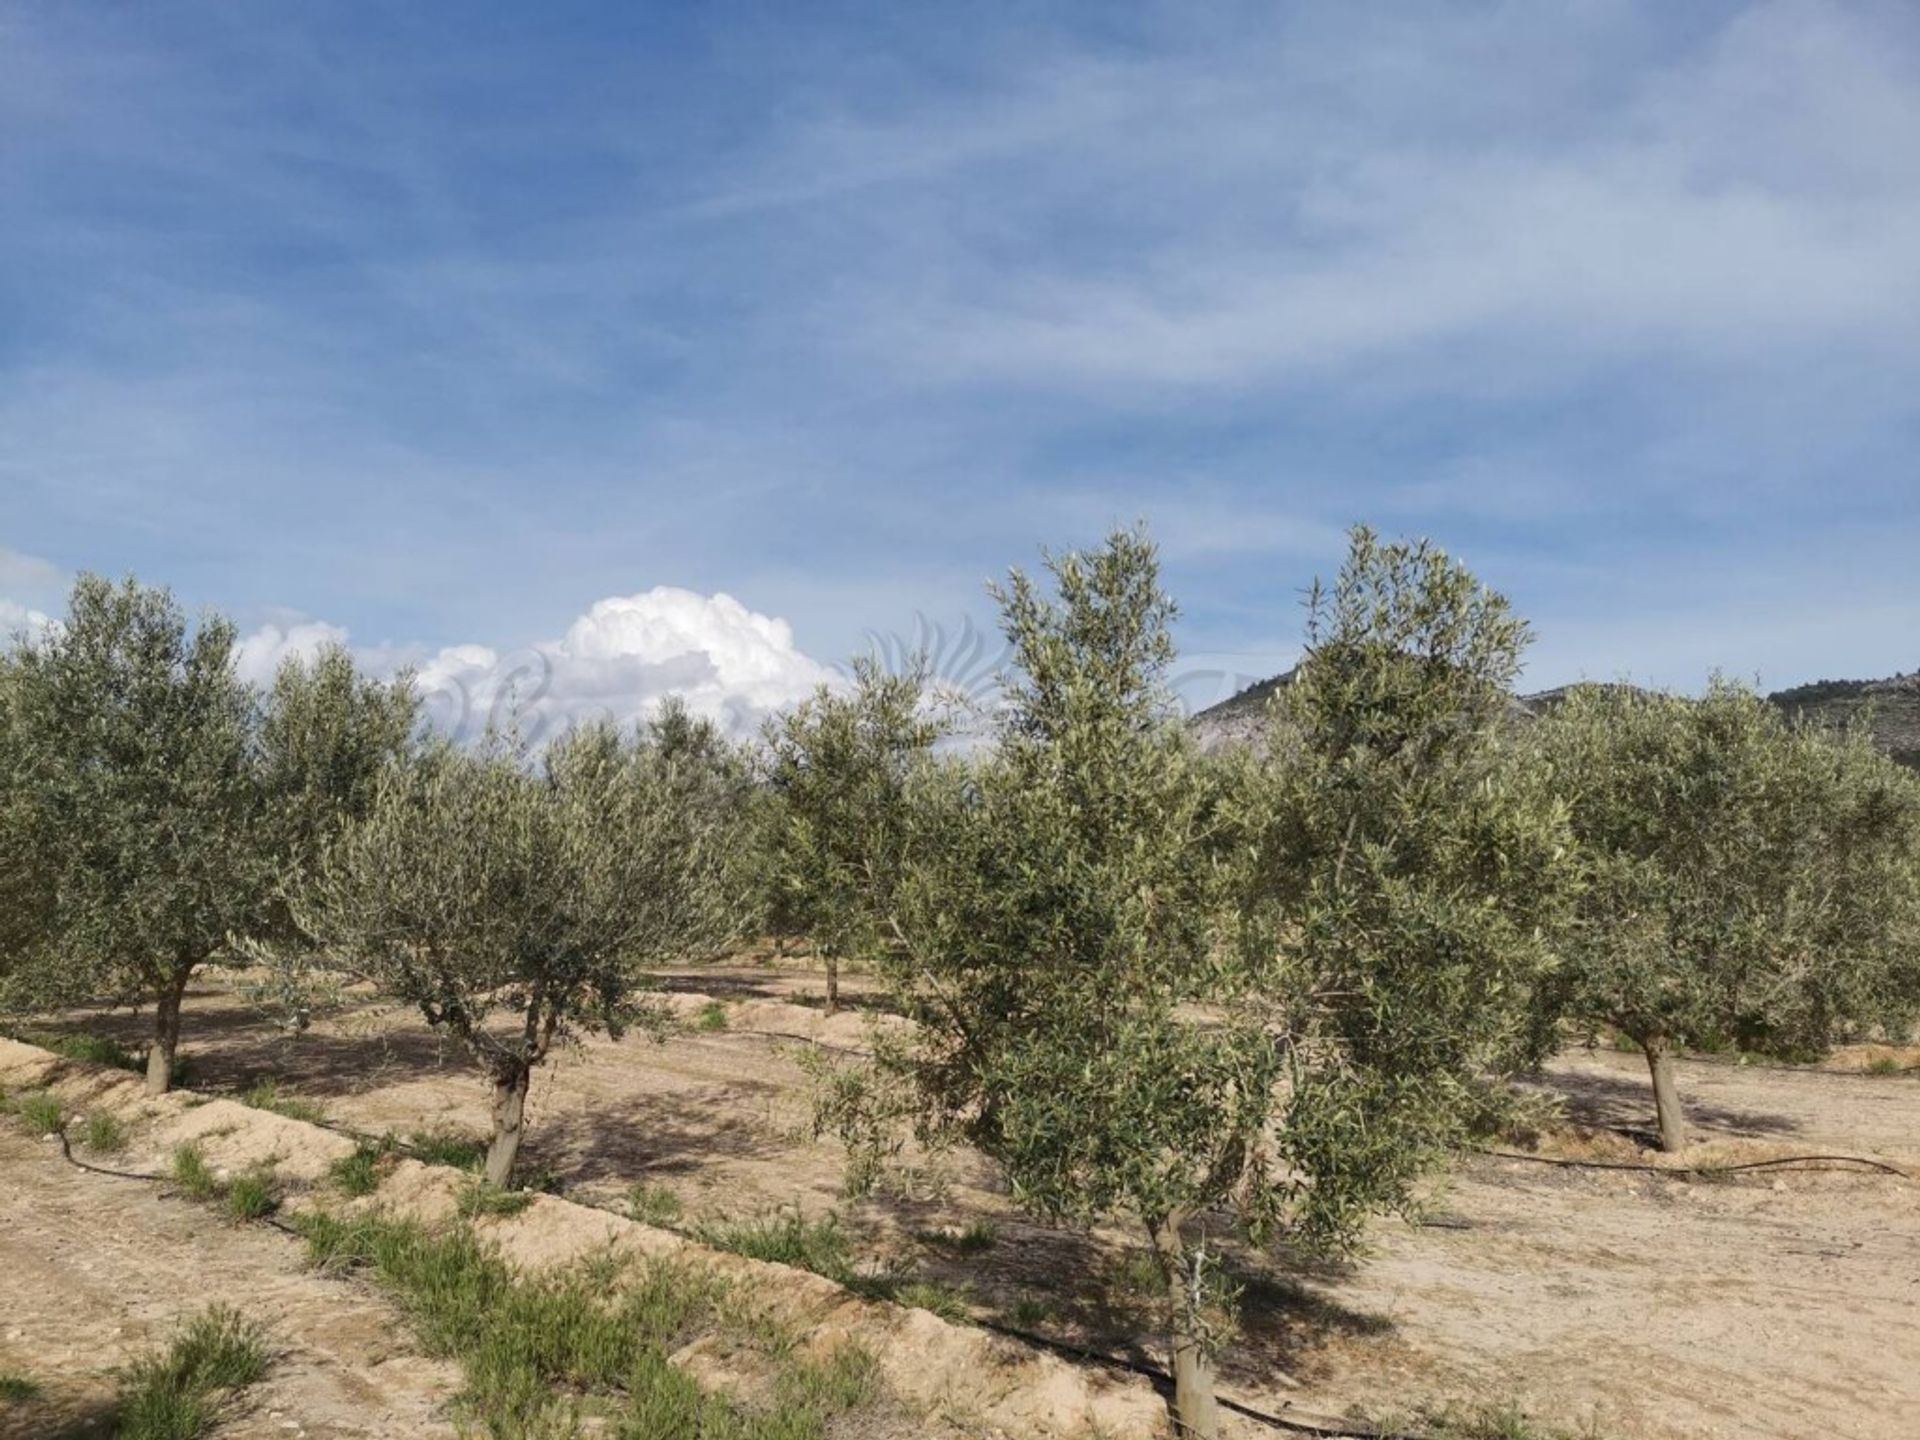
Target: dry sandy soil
[1645,1306]
[96,1271]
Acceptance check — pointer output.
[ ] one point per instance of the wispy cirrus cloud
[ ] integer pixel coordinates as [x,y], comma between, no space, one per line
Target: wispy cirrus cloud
[441,325]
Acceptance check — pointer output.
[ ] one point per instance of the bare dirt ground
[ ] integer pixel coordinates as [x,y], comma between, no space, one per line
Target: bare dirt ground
[1778,1304]
[96,1271]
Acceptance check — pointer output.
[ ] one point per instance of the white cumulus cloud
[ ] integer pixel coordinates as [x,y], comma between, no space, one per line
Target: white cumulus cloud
[262,652]
[619,661]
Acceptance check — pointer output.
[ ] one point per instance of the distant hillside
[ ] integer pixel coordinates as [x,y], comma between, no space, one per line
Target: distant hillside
[1892,706]
[1892,709]
[1236,720]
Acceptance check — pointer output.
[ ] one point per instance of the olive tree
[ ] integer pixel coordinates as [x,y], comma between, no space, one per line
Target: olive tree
[837,767]
[327,734]
[1134,988]
[26,889]
[1749,881]
[515,903]
[132,750]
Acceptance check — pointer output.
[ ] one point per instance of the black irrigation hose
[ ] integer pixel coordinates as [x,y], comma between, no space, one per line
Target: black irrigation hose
[1302,1423]
[790,1035]
[66,1150]
[1645,1169]
[1549,1160]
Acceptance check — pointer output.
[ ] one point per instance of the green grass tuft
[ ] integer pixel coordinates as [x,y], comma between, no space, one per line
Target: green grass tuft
[1885,1065]
[105,1134]
[39,1111]
[978,1236]
[252,1196]
[478,1198]
[943,1300]
[17,1389]
[180,1393]
[192,1175]
[821,1246]
[711,1016]
[653,1205]
[1489,1422]
[89,1049]
[359,1173]
[445,1147]
[1031,1311]
[267,1095]
[845,1380]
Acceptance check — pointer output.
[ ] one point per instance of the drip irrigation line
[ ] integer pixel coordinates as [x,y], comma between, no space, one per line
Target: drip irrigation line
[1301,1422]
[803,1039]
[1645,1169]
[66,1150]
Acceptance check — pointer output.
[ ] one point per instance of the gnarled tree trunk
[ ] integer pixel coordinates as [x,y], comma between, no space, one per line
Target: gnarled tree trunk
[510,1081]
[1196,1406]
[166,1034]
[833,984]
[1666,1097]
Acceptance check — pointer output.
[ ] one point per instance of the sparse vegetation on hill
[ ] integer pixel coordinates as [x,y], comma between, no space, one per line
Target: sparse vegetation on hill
[1889,710]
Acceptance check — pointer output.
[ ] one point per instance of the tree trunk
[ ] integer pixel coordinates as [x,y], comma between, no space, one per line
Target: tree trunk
[833,985]
[1196,1408]
[509,1120]
[1666,1098]
[166,1034]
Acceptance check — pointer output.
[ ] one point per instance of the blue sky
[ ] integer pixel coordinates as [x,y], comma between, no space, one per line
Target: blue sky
[437,324]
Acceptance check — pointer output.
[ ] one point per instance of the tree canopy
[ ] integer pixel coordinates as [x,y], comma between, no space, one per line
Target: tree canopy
[131,747]
[1748,881]
[1157,987]
[514,902]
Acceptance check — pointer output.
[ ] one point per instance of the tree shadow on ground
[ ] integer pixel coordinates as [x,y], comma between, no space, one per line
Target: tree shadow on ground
[231,1048]
[1097,1292]
[1607,1102]
[587,1146]
[56,1414]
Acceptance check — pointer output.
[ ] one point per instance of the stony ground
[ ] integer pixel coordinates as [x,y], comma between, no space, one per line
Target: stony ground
[1780,1304]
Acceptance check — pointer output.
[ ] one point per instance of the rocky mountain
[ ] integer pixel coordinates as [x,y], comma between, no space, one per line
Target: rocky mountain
[1891,709]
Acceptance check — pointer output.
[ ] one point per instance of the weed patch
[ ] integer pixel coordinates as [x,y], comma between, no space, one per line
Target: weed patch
[821,1246]
[39,1111]
[535,1352]
[192,1176]
[90,1049]
[105,1134]
[181,1392]
[359,1173]
[267,1095]
[446,1147]
[252,1196]
[654,1205]
[478,1198]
